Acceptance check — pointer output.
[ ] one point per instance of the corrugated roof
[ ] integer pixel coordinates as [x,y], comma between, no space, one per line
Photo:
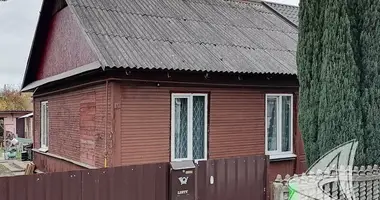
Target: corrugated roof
[192,35]
[287,11]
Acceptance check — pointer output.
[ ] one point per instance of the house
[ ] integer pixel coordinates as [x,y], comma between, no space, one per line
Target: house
[10,122]
[28,125]
[287,12]
[131,82]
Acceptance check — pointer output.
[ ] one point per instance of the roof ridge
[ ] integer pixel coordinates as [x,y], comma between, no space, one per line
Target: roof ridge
[98,7]
[181,19]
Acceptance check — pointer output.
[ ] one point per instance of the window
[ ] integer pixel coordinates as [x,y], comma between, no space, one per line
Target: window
[279,125]
[44,125]
[189,127]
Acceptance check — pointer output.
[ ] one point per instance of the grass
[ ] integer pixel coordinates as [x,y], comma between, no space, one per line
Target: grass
[18,153]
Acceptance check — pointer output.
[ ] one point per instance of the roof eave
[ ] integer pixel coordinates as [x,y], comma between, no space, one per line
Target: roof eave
[26,116]
[15,111]
[79,70]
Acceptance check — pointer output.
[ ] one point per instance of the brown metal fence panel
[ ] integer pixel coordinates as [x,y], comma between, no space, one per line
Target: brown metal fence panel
[241,178]
[139,182]
[4,184]
[234,178]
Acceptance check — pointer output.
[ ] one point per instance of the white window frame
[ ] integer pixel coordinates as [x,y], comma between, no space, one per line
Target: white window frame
[189,96]
[44,128]
[278,154]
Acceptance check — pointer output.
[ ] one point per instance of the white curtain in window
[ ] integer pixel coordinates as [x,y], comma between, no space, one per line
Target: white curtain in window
[44,124]
[181,129]
[272,123]
[286,120]
[198,127]
[189,126]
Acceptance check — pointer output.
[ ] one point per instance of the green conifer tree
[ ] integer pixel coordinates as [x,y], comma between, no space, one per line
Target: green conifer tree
[370,85]
[329,72]
[308,61]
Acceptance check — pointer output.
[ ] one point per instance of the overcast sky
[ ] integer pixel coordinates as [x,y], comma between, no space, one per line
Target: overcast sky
[18,19]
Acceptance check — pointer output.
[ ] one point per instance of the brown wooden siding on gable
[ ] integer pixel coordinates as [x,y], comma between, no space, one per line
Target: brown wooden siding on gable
[77,125]
[65,47]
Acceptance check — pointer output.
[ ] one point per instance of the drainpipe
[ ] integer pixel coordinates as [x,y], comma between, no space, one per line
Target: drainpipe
[105,129]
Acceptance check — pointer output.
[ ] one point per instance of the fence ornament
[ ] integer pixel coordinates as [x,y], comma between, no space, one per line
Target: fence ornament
[332,177]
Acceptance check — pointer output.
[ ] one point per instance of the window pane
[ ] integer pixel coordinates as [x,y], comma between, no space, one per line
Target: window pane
[42,129]
[44,121]
[47,125]
[272,123]
[286,123]
[199,127]
[180,128]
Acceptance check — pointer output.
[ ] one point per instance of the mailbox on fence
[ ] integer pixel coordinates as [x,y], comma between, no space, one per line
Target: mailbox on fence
[182,180]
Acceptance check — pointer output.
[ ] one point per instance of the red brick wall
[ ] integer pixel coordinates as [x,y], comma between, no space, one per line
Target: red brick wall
[65,48]
[77,125]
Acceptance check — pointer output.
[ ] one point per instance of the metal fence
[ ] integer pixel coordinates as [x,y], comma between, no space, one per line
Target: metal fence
[242,178]
[365,185]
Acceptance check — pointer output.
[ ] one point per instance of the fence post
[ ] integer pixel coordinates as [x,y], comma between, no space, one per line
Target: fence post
[277,188]
[368,175]
[365,183]
[362,184]
[355,184]
[376,183]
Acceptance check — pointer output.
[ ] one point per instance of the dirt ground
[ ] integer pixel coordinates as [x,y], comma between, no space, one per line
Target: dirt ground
[4,171]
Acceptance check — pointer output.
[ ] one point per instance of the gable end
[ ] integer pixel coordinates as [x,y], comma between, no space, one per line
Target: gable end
[59,44]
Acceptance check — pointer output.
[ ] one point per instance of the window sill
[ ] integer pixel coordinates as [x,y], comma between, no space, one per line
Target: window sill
[43,149]
[195,161]
[282,157]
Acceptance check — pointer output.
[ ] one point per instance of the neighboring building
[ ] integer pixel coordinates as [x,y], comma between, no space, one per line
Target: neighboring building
[287,12]
[12,123]
[28,125]
[130,82]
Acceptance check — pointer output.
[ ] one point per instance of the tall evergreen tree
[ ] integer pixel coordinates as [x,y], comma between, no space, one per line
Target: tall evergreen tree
[330,77]
[370,60]
[340,115]
[308,61]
